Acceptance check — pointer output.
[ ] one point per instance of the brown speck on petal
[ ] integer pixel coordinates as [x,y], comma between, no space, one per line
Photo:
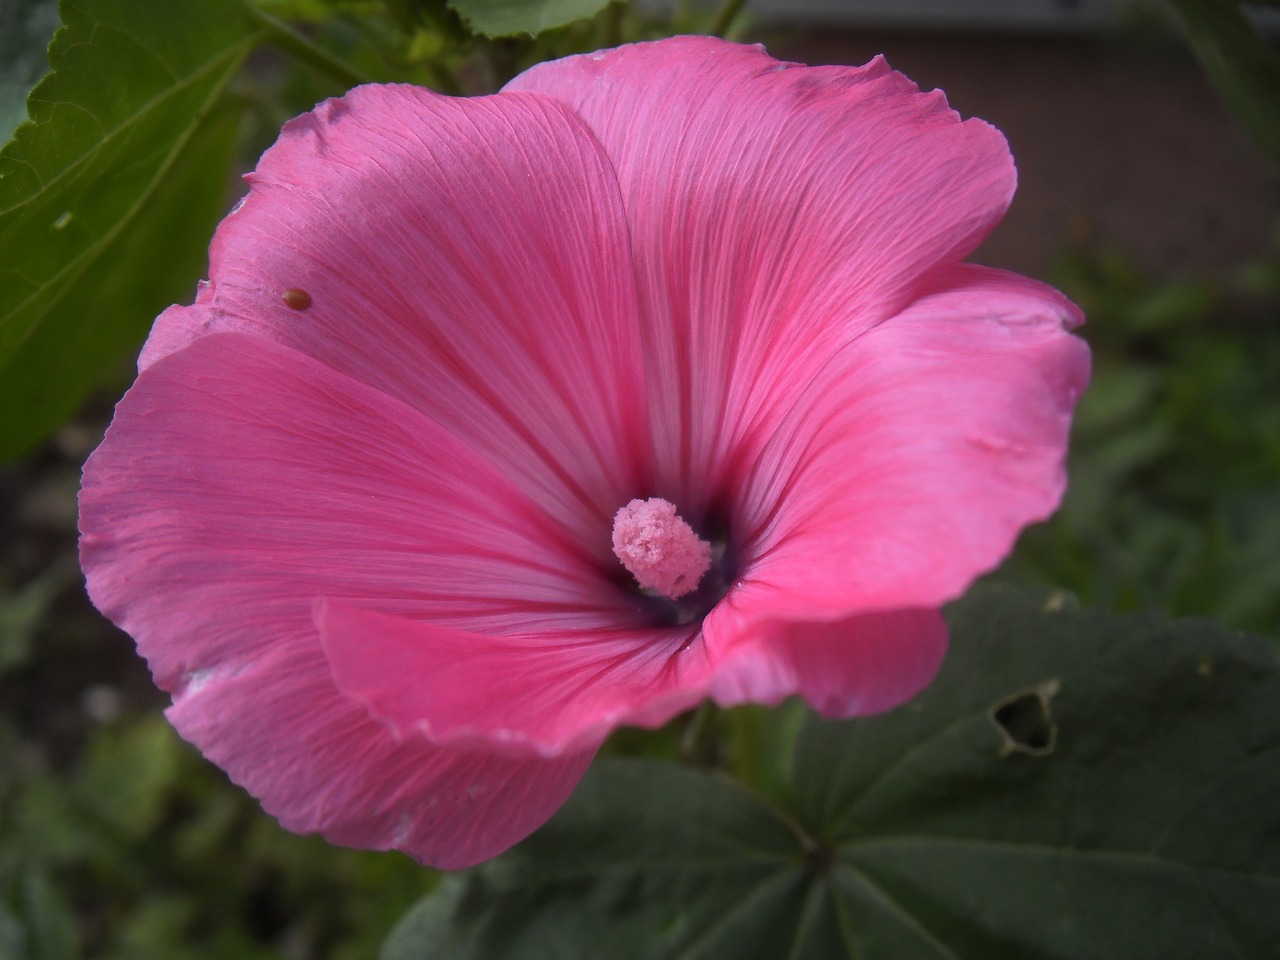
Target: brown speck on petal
[296,299]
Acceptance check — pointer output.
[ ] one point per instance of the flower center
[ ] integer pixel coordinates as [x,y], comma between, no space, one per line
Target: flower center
[658,548]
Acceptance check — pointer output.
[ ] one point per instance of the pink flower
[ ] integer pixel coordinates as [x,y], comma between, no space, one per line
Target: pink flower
[464,370]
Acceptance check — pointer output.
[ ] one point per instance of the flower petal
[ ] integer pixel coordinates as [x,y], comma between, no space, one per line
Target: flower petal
[240,481]
[863,664]
[776,211]
[466,256]
[550,695]
[536,695]
[319,763]
[916,457]
[239,471]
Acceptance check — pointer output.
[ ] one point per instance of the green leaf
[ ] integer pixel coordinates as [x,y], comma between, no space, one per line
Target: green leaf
[23,610]
[26,27]
[128,774]
[50,926]
[648,856]
[1151,803]
[1072,786]
[508,18]
[1238,61]
[108,197]
[13,941]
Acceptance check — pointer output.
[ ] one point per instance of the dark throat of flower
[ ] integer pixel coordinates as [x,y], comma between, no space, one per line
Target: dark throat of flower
[678,576]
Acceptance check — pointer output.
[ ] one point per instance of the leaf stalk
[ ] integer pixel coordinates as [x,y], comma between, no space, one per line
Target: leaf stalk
[282,36]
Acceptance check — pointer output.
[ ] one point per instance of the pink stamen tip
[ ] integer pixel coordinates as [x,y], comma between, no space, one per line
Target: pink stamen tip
[658,548]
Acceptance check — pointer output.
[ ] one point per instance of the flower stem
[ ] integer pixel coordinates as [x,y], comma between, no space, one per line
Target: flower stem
[442,78]
[693,738]
[724,19]
[612,24]
[282,36]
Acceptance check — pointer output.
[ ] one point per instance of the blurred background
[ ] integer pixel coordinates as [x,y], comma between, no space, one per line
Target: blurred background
[1144,194]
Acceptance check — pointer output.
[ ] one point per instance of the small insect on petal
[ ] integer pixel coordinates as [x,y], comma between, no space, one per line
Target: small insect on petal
[296,299]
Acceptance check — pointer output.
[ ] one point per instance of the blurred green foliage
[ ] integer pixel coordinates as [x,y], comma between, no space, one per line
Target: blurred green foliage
[506,18]
[1242,64]
[142,850]
[1174,496]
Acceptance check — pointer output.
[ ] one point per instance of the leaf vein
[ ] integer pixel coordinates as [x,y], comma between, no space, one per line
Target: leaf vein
[912,924]
[1040,850]
[78,264]
[235,52]
[729,917]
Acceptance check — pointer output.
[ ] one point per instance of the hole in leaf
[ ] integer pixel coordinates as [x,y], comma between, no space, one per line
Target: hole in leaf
[1025,721]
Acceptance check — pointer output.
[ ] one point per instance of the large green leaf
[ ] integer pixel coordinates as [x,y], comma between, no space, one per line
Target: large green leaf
[108,197]
[1073,786]
[507,18]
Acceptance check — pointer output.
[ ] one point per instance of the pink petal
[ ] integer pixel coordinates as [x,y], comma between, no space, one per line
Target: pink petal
[540,695]
[319,763]
[466,256]
[776,211]
[555,694]
[240,481]
[863,664]
[917,455]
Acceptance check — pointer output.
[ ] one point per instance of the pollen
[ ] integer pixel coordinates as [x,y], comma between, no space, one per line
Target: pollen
[659,548]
